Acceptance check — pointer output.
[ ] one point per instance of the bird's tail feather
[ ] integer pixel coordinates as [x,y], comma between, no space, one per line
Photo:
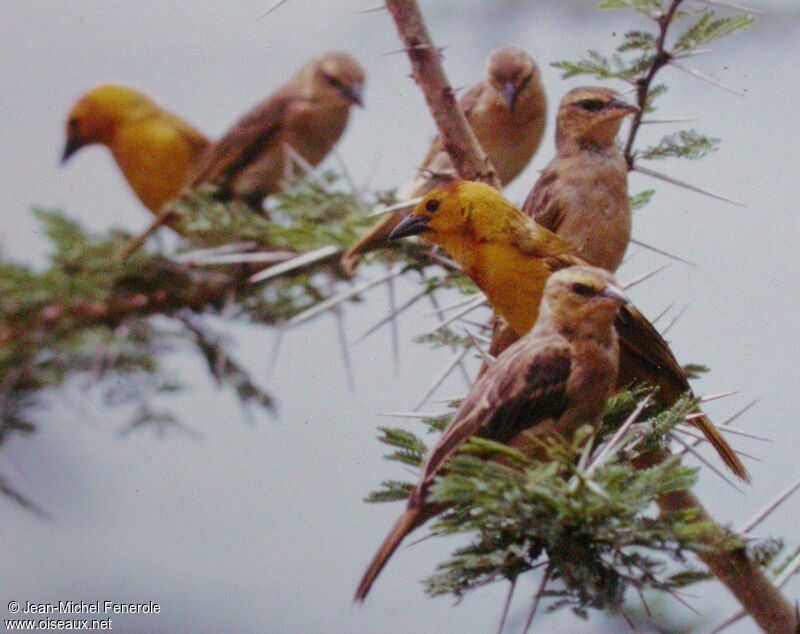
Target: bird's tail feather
[407,522]
[721,445]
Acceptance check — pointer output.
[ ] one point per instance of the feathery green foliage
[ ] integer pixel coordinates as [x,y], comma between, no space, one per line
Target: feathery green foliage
[586,520]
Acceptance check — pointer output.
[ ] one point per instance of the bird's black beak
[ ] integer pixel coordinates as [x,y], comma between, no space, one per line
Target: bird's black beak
[510,93]
[616,293]
[623,107]
[411,226]
[353,93]
[73,145]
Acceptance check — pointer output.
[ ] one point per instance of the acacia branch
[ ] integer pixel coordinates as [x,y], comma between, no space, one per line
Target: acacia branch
[469,159]
[661,58]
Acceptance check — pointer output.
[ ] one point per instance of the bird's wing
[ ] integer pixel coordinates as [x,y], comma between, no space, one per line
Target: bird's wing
[543,204]
[640,340]
[245,141]
[526,386]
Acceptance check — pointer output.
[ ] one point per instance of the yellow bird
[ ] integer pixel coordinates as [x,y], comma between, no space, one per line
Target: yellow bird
[510,258]
[306,116]
[153,148]
[506,111]
[552,381]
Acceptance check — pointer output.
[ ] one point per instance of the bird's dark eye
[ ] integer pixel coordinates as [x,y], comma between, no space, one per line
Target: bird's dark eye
[582,289]
[333,81]
[432,206]
[72,124]
[592,105]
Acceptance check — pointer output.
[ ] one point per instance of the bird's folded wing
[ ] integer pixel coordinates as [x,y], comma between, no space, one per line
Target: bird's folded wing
[522,389]
[246,140]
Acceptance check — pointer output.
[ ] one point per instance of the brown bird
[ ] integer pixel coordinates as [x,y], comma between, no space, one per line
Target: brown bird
[307,115]
[153,148]
[507,112]
[582,195]
[552,381]
[510,257]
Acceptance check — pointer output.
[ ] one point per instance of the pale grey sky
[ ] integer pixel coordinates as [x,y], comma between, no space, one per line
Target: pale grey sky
[260,526]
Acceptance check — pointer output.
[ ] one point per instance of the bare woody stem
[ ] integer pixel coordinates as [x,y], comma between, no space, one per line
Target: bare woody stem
[469,159]
[661,58]
[745,580]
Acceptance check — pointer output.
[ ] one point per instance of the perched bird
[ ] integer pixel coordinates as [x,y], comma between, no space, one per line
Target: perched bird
[307,115]
[507,112]
[550,382]
[153,148]
[582,195]
[510,258]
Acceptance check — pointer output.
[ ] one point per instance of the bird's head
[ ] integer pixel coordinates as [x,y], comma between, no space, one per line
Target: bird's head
[98,114]
[510,71]
[337,75]
[462,208]
[590,117]
[580,295]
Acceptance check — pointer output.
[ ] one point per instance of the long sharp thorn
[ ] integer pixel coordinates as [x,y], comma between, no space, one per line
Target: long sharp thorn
[662,313]
[731,5]
[391,317]
[718,396]
[338,299]
[606,451]
[643,277]
[439,312]
[295,263]
[400,206]
[697,455]
[380,7]
[241,258]
[348,367]
[439,379]
[672,256]
[538,596]
[674,181]
[487,358]
[694,53]
[419,415]
[274,6]
[461,366]
[698,438]
[674,320]
[274,352]
[507,605]
[475,303]
[769,508]
[393,326]
[696,73]
[202,253]
[657,121]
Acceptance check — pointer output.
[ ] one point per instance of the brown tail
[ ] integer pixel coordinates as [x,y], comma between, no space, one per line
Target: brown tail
[407,522]
[721,445]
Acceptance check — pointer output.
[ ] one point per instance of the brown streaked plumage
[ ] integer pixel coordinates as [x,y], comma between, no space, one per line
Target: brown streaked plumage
[550,382]
[510,257]
[153,148]
[507,113]
[582,195]
[309,114]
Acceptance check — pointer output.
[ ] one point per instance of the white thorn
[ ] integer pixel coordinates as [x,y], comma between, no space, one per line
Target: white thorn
[295,263]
